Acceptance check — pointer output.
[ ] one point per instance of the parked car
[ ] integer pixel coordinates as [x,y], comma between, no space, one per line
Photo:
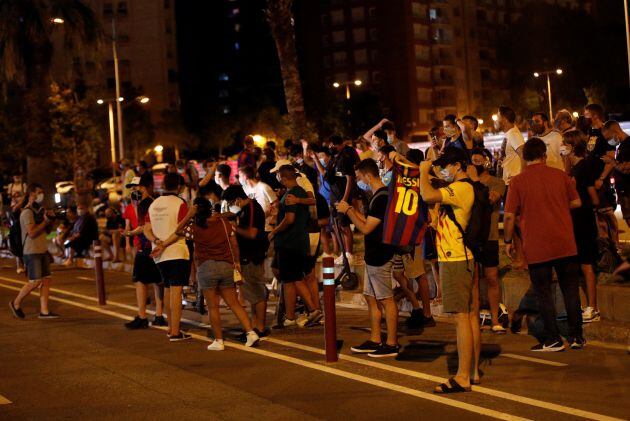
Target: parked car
[64,193]
[110,189]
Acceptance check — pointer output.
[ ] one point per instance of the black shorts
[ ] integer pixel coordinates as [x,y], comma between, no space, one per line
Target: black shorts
[490,254]
[291,265]
[429,246]
[145,270]
[175,273]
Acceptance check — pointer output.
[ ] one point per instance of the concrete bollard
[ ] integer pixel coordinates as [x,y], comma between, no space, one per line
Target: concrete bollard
[330,316]
[100,276]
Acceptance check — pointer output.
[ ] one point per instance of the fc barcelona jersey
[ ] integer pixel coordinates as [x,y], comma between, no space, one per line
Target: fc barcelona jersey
[405,220]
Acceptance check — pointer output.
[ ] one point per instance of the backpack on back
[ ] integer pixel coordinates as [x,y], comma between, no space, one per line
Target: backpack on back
[478,229]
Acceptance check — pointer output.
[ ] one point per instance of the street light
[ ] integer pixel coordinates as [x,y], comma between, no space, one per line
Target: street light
[495,117]
[480,121]
[575,114]
[356,82]
[558,71]
[57,21]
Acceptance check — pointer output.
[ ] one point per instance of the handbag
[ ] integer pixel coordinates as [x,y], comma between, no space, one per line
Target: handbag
[238,278]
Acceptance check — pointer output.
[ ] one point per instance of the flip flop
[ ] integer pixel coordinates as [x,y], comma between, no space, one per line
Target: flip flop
[451,386]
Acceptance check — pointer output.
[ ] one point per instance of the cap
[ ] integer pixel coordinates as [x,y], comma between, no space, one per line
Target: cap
[138,181]
[280,163]
[452,155]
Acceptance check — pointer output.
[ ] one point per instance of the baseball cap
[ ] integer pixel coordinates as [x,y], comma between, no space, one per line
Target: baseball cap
[280,163]
[452,155]
[138,181]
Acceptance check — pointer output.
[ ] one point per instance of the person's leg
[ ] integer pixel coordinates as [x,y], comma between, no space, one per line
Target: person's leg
[212,298]
[313,289]
[403,281]
[176,309]
[391,319]
[465,348]
[327,245]
[591,285]
[494,294]
[44,293]
[568,275]
[106,246]
[159,303]
[425,295]
[475,329]
[304,292]
[259,311]
[24,291]
[290,296]
[231,299]
[375,319]
[540,275]
[141,299]
[167,306]
[116,245]
[436,275]
[347,238]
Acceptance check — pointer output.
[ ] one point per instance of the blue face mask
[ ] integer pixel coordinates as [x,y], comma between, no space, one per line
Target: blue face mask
[612,142]
[387,177]
[446,175]
[321,161]
[363,186]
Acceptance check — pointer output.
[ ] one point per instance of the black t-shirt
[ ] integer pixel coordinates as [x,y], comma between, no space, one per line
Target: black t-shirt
[341,166]
[597,145]
[377,253]
[266,177]
[310,173]
[323,211]
[584,178]
[622,181]
[146,179]
[252,250]
[115,222]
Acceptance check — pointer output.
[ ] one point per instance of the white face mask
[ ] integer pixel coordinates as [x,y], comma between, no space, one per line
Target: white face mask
[390,139]
[565,150]
[242,181]
[446,175]
[39,198]
[235,209]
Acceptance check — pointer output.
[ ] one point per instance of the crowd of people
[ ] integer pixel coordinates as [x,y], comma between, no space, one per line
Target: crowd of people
[437,210]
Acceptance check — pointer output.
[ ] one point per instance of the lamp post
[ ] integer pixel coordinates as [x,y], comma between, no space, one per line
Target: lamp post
[356,82]
[117,79]
[548,73]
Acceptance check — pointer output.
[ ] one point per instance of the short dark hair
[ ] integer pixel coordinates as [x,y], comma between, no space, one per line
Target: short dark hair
[508,113]
[452,118]
[224,170]
[473,119]
[324,150]
[32,188]
[211,188]
[232,193]
[544,117]
[368,166]
[577,140]
[380,133]
[388,125]
[534,149]
[415,155]
[596,109]
[171,181]
[287,171]
[386,149]
[610,124]
[271,145]
[335,139]
[477,151]
[248,171]
[295,150]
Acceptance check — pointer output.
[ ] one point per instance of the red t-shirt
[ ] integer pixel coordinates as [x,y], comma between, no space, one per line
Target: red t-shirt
[541,196]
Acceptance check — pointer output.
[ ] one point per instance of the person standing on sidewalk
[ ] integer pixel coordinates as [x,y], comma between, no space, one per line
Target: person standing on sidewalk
[162,221]
[35,226]
[543,197]
[145,271]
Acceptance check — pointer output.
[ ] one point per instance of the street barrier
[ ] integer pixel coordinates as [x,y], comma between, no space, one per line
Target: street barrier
[330,316]
[100,276]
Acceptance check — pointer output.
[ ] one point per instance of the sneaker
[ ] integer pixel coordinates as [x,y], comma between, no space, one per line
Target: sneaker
[302,320]
[366,347]
[252,339]
[159,321]
[314,317]
[577,343]
[137,323]
[263,334]
[549,346]
[416,319]
[428,322]
[49,315]
[17,312]
[20,270]
[498,329]
[385,351]
[181,336]
[589,314]
[216,345]
[289,322]
[339,260]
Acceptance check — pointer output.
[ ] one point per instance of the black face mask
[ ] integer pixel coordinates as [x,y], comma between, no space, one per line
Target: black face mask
[480,169]
[136,195]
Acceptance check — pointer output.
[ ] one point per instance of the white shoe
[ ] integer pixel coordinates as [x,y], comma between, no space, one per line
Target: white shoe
[216,345]
[252,339]
[589,314]
[339,260]
[20,270]
[289,323]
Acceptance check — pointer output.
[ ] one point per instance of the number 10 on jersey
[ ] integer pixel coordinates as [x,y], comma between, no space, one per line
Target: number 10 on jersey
[407,201]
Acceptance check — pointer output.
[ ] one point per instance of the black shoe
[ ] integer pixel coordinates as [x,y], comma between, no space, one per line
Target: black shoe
[49,315]
[549,346]
[416,319]
[242,338]
[516,324]
[385,351]
[137,323]
[181,336]
[159,321]
[577,343]
[428,321]
[366,347]
[263,334]
[17,312]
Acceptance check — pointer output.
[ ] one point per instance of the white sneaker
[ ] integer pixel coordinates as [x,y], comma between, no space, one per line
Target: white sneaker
[589,314]
[339,260]
[20,270]
[252,339]
[289,323]
[216,345]
[302,320]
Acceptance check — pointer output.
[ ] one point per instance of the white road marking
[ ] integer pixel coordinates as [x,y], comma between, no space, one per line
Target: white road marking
[85,278]
[315,366]
[534,360]
[411,373]
[4,401]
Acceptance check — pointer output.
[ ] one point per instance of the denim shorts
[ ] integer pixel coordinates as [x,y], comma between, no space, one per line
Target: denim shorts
[213,274]
[253,287]
[37,266]
[379,281]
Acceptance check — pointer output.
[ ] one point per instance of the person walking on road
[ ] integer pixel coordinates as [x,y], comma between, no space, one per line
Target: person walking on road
[35,226]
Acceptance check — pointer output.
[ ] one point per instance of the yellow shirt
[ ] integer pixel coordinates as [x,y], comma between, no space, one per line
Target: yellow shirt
[449,240]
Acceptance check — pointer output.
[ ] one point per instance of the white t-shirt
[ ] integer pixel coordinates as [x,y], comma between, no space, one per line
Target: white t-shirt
[512,162]
[553,140]
[265,196]
[165,213]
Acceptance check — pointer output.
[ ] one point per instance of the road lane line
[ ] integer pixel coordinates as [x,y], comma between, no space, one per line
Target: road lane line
[534,360]
[4,401]
[316,366]
[85,278]
[411,373]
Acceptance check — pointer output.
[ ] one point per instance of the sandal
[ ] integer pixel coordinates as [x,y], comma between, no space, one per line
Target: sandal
[451,386]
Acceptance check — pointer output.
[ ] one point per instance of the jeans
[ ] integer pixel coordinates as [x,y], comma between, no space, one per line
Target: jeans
[567,270]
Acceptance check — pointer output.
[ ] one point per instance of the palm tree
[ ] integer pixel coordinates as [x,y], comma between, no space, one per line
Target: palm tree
[27,32]
[280,17]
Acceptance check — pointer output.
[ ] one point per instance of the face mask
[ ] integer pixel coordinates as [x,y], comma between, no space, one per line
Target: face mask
[450,132]
[390,139]
[480,169]
[39,198]
[446,175]
[279,178]
[242,181]
[235,209]
[136,195]
[299,161]
[321,161]
[565,150]
[180,170]
[363,185]
[613,141]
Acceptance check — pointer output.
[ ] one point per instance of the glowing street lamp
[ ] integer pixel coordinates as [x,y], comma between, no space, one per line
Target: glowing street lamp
[548,73]
[495,117]
[356,82]
[57,21]
[158,149]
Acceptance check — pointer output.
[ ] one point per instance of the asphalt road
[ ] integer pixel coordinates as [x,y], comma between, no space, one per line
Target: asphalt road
[85,365]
